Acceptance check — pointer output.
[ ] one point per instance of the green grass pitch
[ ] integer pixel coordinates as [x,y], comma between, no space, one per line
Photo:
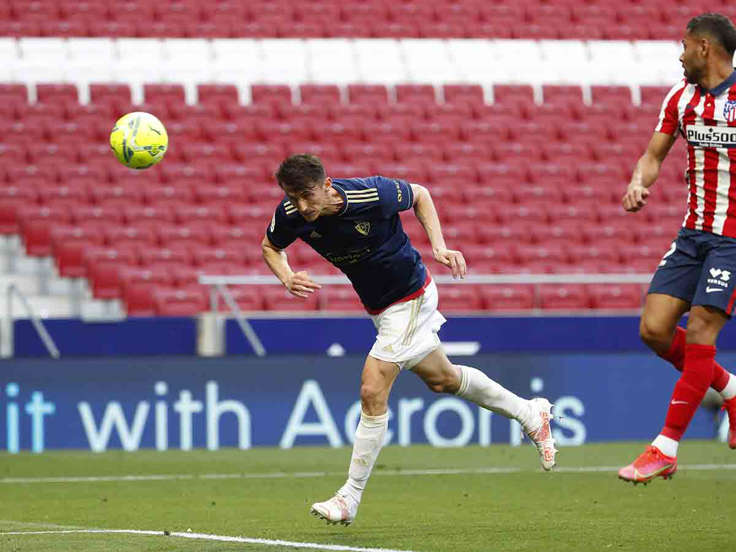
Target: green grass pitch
[266,494]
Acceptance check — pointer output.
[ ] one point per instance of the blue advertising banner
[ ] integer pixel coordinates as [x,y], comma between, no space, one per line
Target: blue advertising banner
[183,403]
[350,335]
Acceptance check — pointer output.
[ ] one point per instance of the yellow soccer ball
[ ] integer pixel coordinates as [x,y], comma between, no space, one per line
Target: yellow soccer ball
[139,140]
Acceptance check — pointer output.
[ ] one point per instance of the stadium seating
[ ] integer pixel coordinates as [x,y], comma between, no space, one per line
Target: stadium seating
[195,211]
[535,19]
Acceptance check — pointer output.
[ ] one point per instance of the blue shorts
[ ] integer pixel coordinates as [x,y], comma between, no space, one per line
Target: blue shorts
[699,268]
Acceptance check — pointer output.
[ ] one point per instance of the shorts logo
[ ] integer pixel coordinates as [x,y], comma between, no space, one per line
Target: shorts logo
[718,277]
[729,111]
[363,227]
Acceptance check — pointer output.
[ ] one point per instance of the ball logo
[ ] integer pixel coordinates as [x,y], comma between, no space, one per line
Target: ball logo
[729,111]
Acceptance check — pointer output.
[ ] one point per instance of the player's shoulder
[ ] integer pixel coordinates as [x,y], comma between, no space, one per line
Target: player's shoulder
[361,194]
[286,209]
[677,89]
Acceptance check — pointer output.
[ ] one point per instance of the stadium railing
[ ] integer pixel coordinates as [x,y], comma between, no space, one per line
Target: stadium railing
[212,331]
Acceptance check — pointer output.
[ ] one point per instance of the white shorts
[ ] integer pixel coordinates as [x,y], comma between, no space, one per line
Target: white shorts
[407,331]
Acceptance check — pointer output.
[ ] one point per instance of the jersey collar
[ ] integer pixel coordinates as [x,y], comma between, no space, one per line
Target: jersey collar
[344,197]
[725,85]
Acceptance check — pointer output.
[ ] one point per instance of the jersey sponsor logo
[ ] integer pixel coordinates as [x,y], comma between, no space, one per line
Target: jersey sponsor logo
[314,235]
[719,278]
[363,227]
[711,136]
[729,111]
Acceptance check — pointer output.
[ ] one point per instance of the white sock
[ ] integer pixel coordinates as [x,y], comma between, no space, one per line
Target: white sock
[483,391]
[368,442]
[729,392]
[667,445]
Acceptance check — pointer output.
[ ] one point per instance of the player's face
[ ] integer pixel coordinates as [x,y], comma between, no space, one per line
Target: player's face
[311,202]
[692,58]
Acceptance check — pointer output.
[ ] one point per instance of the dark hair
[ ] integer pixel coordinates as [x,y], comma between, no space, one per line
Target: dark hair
[718,27]
[300,172]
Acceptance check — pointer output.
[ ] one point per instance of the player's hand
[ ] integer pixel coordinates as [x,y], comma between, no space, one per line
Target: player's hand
[453,259]
[635,198]
[301,285]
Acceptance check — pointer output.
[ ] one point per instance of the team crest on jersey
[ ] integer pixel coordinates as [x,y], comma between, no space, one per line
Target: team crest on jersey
[729,111]
[363,227]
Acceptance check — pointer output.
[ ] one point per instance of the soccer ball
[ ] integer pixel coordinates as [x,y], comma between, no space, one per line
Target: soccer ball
[139,140]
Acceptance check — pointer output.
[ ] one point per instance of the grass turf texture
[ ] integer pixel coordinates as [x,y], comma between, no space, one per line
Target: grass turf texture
[525,510]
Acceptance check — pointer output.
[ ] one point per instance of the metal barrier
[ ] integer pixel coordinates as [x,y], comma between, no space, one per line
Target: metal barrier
[218,288]
[7,341]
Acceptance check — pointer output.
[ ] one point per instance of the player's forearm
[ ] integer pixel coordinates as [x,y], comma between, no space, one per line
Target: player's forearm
[277,261]
[646,171]
[430,221]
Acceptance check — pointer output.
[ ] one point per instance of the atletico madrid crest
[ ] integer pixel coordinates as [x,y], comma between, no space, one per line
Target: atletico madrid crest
[729,111]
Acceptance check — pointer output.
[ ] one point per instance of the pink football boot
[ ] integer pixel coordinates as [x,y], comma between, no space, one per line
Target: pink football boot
[650,464]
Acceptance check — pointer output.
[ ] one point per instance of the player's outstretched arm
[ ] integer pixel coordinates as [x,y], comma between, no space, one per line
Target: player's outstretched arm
[646,171]
[298,283]
[427,215]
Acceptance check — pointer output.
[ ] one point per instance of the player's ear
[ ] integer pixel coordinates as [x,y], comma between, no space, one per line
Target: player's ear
[328,182]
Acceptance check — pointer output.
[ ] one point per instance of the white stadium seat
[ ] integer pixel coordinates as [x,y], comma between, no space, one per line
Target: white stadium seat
[283,61]
[380,61]
[331,61]
[429,61]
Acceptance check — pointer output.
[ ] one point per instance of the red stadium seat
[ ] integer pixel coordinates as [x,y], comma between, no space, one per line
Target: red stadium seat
[423,94]
[180,301]
[68,244]
[164,93]
[278,299]
[148,215]
[616,296]
[190,235]
[340,298]
[122,236]
[324,94]
[367,93]
[464,94]
[103,266]
[408,151]
[513,94]
[507,298]
[104,93]
[562,95]
[12,199]
[611,95]
[175,255]
[563,297]
[139,286]
[56,93]
[35,224]
[459,298]
[271,94]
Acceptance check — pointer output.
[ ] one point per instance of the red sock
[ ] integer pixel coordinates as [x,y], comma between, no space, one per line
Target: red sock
[689,389]
[676,356]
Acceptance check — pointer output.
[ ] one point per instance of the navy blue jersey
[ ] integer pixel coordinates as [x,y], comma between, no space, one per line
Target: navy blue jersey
[364,240]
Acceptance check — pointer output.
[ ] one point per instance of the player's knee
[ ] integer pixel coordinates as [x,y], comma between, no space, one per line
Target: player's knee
[372,397]
[703,328]
[654,335]
[443,383]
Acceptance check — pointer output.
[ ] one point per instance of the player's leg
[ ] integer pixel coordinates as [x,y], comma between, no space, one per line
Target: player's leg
[659,331]
[375,386]
[441,376]
[713,300]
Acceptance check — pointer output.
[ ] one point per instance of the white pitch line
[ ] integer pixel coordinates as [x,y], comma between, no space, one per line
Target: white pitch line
[205,536]
[296,475]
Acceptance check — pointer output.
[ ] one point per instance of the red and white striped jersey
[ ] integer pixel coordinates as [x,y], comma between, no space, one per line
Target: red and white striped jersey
[707,120]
